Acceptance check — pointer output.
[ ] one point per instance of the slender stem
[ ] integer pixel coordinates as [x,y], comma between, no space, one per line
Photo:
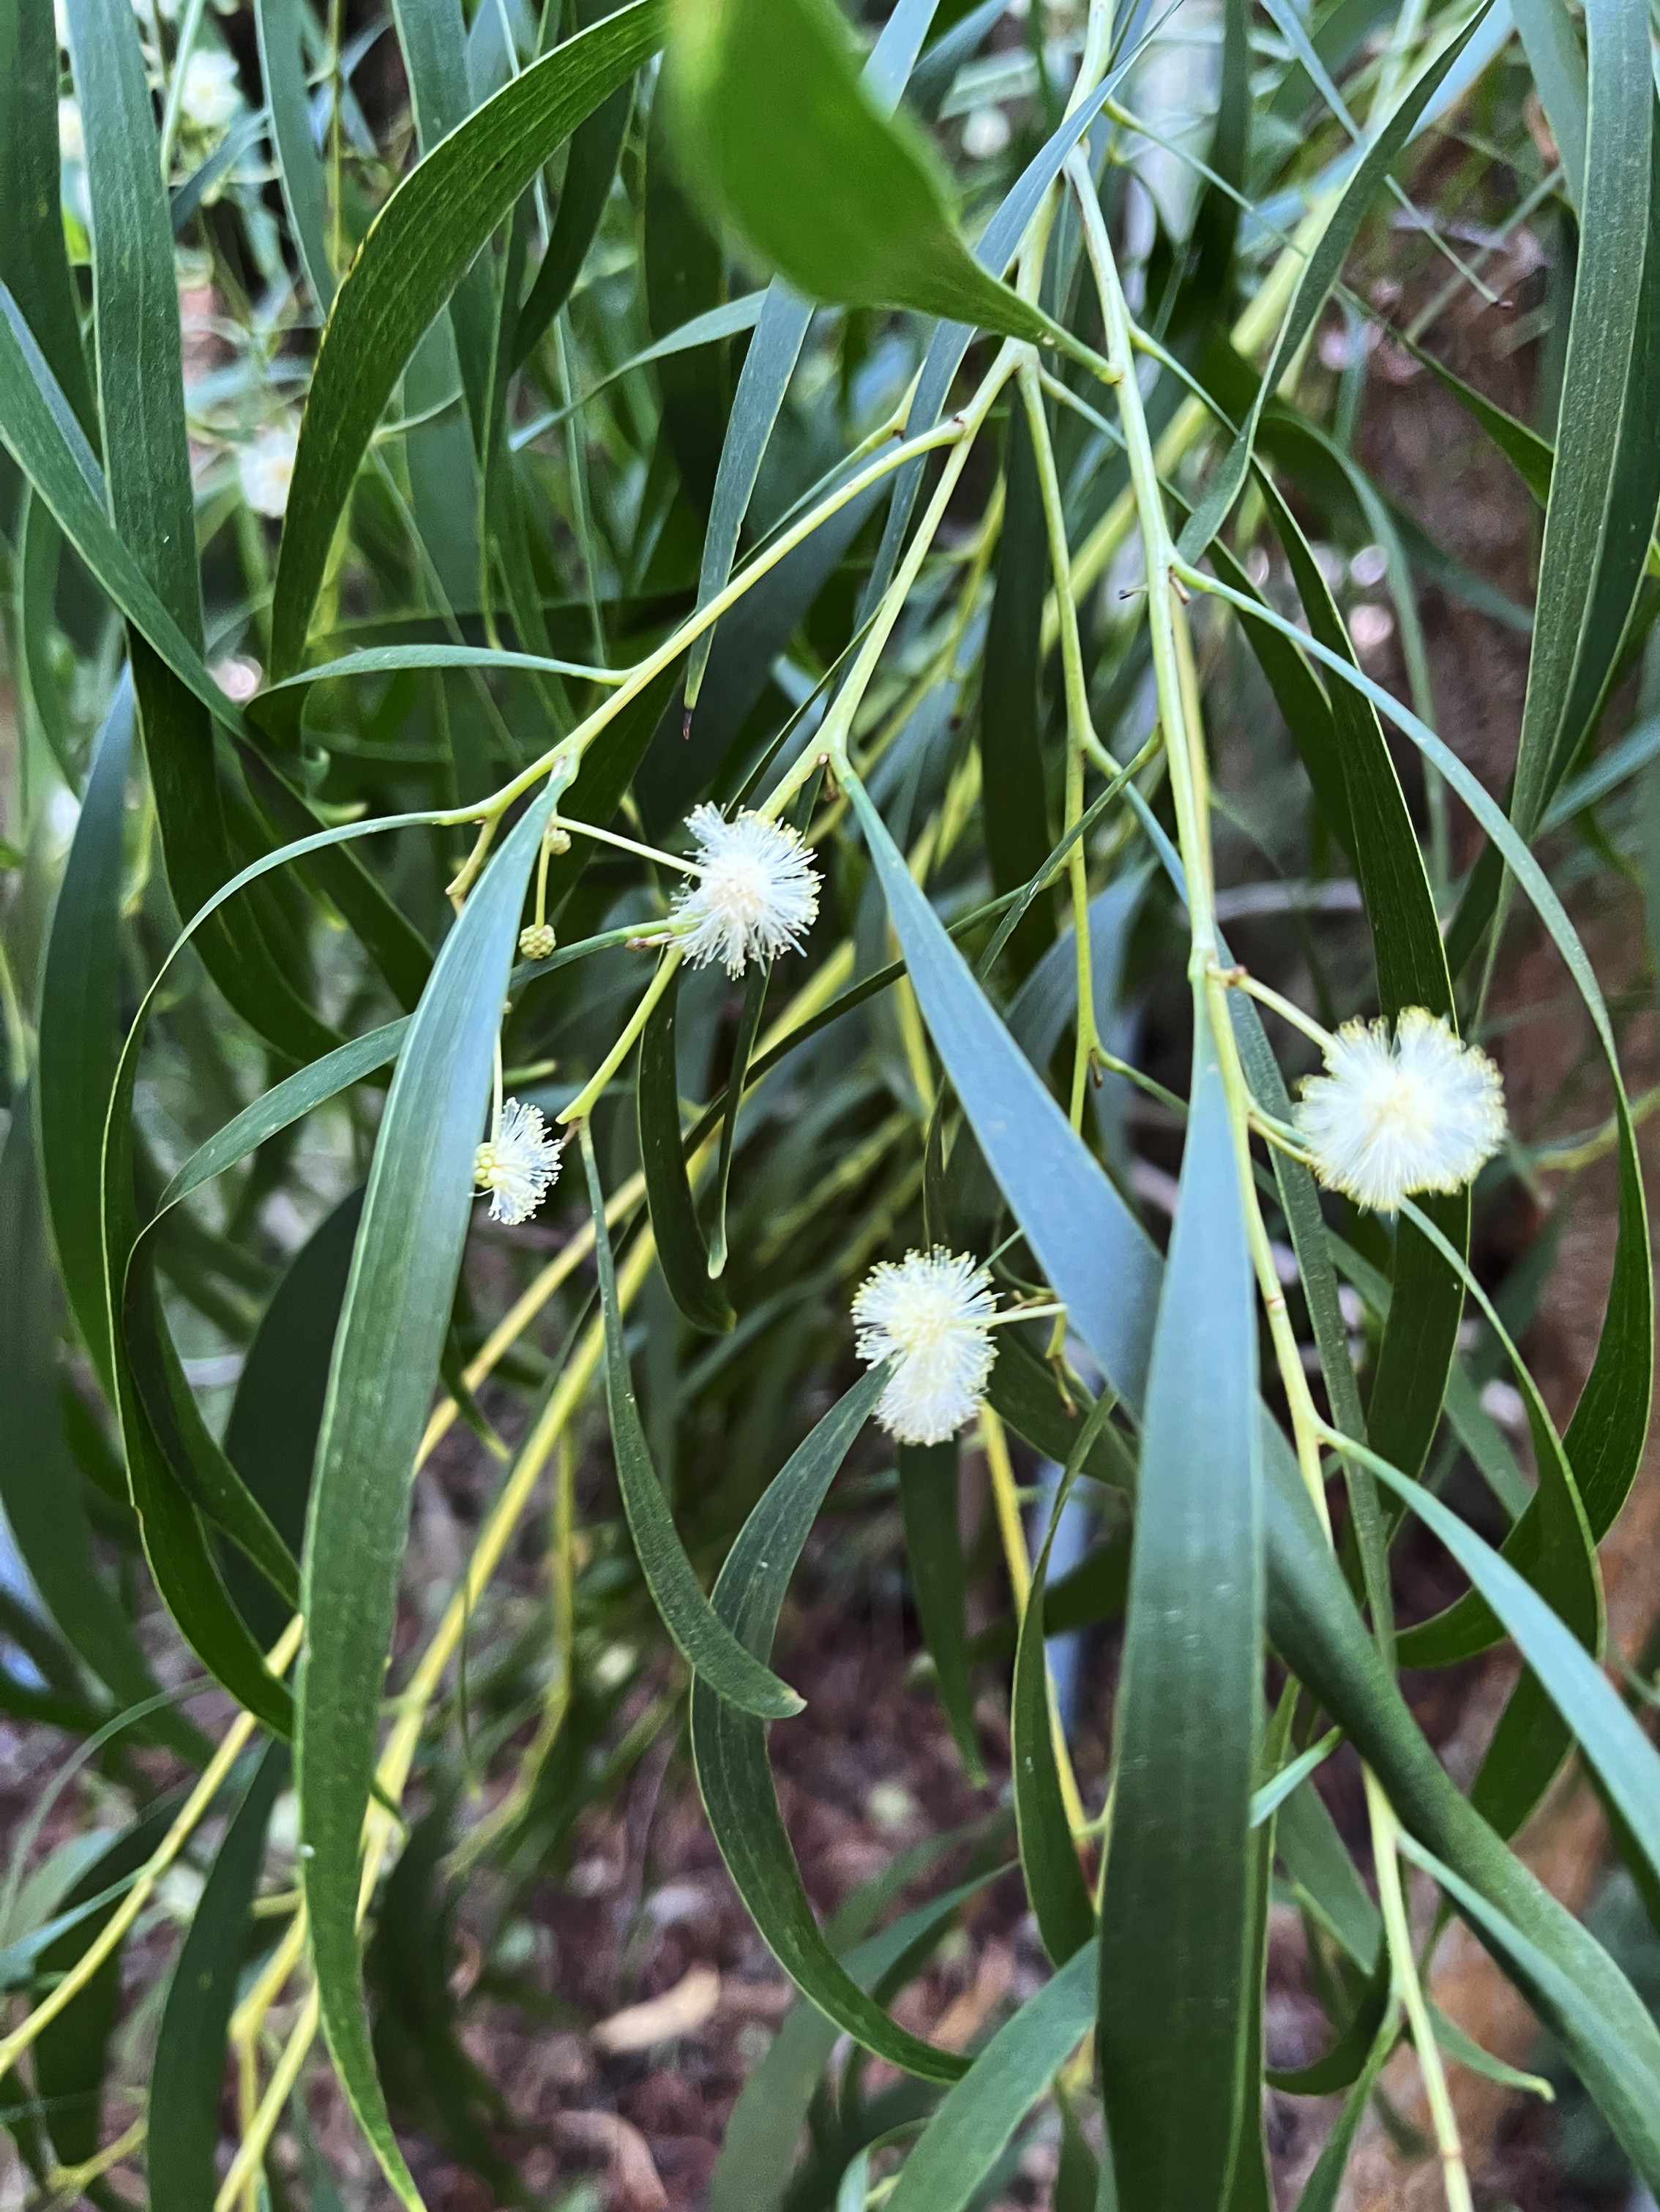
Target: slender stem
[1240,979]
[1177,685]
[189,1814]
[1192,420]
[250,2151]
[1403,1973]
[582,1105]
[68,2184]
[1005,1498]
[189,30]
[625,845]
[1080,728]
[570,749]
[830,746]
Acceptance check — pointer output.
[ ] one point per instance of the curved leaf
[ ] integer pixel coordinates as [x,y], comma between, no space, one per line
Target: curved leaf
[1578,1990]
[700,1636]
[1091,1247]
[933,1552]
[780,334]
[420,246]
[1048,1857]
[39,1484]
[730,1748]
[187,2073]
[681,1252]
[846,202]
[79,990]
[1175,1910]
[392,1327]
[962,2142]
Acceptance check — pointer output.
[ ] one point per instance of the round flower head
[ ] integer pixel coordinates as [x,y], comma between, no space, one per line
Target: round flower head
[1422,1111]
[520,1164]
[210,96]
[266,469]
[931,1313]
[756,893]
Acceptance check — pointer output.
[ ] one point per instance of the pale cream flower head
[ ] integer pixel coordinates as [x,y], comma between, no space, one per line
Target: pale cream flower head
[266,469]
[755,892]
[210,96]
[931,1313]
[1420,1111]
[520,1164]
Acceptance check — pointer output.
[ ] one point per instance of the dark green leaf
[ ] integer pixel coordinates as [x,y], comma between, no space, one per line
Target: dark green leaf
[33,263]
[78,1033]
[929,1506]
[187,2073]
[680,1250]
[1092,1250]
[590,170]
[423,240]
[1049,1856]
[730,1748]
[392,1328]
[1011,758]
[960,2143]
[1174,1910]
[277,1411]
[283,66]
[703,1637]
[39,1484]
[845,202]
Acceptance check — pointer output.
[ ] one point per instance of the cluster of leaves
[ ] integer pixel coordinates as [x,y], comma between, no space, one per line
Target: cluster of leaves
[580,533]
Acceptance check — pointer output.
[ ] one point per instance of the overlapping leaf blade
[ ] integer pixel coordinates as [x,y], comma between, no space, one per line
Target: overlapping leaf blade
[424,241]
[1174,1912]
[408,1253]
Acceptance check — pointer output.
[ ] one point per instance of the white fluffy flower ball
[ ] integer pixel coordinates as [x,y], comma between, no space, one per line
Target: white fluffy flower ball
[266,469]
[210,96]
[931,1313]
[520,1164]
[1420,1111]
[755,892]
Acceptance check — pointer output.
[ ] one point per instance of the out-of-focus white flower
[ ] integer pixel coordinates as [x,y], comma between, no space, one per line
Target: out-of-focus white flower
[146,12]
[266,469]
[985,133]
[1371,626]
[210,96]
[520,1164]
[756,893]
[71,140]
[931,1313]
[63,815]
[237,677]
[1420,1111]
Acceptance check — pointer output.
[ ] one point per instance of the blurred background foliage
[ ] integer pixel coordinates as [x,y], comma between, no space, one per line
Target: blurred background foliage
[579,407]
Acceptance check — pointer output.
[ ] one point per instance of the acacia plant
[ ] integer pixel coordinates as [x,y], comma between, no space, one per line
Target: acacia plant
[781,659]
